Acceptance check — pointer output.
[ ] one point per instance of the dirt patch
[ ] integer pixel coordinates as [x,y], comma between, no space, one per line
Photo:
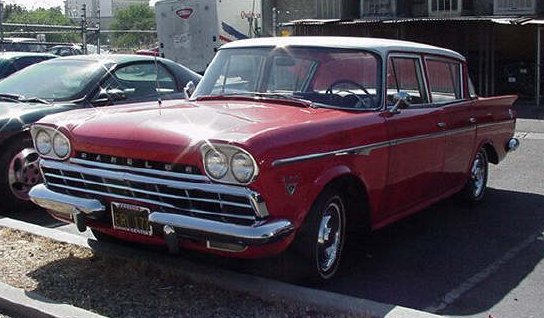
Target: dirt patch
[117,287]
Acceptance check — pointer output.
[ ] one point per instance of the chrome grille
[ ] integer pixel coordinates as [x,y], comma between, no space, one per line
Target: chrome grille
[166,191]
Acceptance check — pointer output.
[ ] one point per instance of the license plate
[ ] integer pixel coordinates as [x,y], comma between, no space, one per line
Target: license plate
[131,218]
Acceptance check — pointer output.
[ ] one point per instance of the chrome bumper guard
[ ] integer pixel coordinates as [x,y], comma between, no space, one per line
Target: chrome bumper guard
[184,226]
[512,145]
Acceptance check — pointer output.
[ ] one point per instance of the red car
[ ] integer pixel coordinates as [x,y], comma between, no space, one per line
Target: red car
[151,52]
[286,142]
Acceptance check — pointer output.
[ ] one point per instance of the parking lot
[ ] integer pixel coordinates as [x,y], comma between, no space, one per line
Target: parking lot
[451,260]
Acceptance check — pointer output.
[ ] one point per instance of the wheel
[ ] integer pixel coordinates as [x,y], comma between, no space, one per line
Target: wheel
[19,172]
[320,240]
[474,190]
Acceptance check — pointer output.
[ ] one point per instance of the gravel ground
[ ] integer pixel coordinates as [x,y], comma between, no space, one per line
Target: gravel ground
[117,287]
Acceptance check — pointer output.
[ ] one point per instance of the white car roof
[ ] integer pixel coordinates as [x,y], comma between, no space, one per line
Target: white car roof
[377,45]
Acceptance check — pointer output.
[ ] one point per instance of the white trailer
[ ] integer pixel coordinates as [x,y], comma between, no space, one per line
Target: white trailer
[190,31]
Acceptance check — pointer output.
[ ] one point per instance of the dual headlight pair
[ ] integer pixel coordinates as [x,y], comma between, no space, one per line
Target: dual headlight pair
[226,163]
[50,142]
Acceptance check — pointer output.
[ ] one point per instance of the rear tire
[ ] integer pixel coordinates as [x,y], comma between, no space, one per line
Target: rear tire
[320,240]
[475,188]
[19,172]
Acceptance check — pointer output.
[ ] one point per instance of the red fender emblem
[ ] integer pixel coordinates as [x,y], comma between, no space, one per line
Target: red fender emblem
[184,13]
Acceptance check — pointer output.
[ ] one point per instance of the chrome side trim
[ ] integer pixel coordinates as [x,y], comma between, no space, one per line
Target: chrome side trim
[63,203]
[367,149]
[213,230]
[509,121]
[109,166]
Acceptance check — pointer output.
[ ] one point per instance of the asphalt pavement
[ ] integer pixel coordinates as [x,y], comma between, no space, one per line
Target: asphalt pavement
[450,259]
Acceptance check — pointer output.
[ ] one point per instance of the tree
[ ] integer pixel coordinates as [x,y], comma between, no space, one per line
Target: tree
[12,9]
[52,16]
[134,17]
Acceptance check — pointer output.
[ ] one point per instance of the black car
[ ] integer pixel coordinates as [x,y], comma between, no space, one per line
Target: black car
[11,62]
[67,83]
[65,50]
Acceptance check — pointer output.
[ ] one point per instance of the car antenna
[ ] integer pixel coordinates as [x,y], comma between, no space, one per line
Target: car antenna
[157,84]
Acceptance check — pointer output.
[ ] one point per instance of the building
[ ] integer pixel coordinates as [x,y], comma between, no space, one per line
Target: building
[73,9]
[487,32]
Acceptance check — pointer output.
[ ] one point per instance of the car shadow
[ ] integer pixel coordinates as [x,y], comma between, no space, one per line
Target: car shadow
[418,262]
[33,215]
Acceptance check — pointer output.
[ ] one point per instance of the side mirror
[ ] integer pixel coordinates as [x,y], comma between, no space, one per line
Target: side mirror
[189,89]
[401,100]
[107,96]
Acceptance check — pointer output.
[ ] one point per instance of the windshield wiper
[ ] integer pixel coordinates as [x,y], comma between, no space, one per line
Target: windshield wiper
[10,97]
[297,100]
[22,99]
[303,101]
[34,100]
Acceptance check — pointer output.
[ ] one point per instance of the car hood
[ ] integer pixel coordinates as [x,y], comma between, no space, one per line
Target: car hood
[162,133]
[14,115]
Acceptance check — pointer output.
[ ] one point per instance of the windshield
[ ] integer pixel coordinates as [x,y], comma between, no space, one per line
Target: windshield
[329,77]
[54,80]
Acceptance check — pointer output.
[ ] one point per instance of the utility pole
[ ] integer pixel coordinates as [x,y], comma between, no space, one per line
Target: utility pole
[538,62]
[84,28]
[1,26]
[98,29]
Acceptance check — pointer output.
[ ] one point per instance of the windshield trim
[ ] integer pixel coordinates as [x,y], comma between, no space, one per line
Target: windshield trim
[378,98]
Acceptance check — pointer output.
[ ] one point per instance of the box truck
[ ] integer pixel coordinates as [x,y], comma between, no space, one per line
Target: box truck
[190,31]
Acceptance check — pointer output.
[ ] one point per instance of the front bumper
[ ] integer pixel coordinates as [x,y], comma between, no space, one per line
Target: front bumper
[260,233]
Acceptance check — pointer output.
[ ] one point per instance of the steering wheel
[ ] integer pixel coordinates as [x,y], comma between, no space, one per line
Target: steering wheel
[346,81]
[360,103]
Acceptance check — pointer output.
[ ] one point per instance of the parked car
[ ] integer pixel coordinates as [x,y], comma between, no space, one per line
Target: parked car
[154,51]
[19,44]
[65,50]
[11,62]
[285,143]
[66,83]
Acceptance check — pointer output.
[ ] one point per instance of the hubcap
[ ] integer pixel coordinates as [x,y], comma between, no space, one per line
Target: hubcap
[478,175]
[329,239]
[23,173]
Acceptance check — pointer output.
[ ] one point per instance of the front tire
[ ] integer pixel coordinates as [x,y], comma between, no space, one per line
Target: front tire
[19,172]
[474,191]
[320,240]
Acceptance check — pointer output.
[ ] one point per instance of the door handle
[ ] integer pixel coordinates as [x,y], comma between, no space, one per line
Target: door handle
[441,125]
[472,120]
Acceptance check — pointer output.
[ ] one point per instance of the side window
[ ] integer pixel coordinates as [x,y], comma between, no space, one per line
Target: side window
[444,80]
[25,61]
[404,74]
[239,75]
[141,81]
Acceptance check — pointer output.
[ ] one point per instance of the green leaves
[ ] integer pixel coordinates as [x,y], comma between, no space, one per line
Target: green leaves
[137,17]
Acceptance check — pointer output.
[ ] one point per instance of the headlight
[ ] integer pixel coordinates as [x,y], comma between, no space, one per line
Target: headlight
[61,145]
[216,163]
[242,167]
[43,142]
[228,163]
[50,142]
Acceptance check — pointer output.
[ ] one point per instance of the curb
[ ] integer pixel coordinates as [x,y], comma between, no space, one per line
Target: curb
[29,304]
[262,288]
